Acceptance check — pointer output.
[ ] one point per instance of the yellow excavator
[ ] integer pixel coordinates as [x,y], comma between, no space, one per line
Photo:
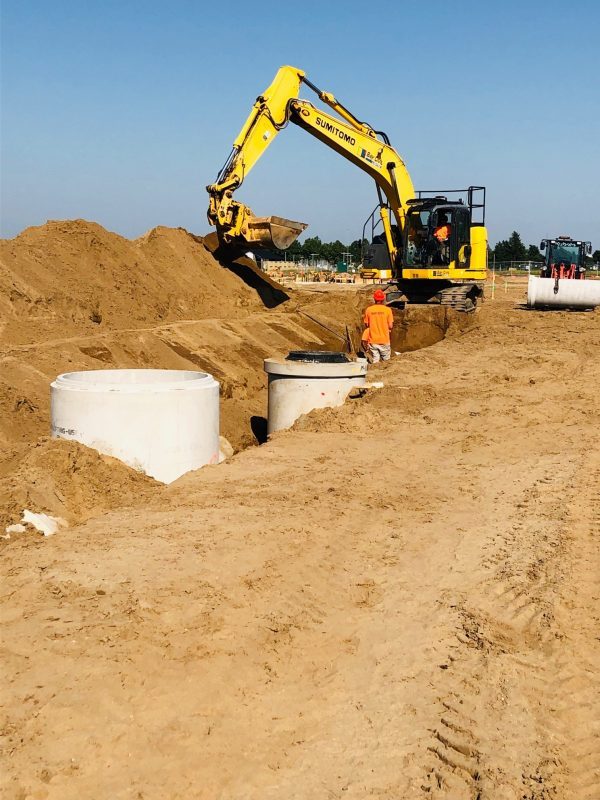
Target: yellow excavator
[434,247]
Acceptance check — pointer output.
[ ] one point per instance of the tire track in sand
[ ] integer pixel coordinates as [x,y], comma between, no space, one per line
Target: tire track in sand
[577,685]
[511,663]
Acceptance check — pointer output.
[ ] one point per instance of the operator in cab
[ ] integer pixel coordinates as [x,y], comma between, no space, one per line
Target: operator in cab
[442,237]
[379,321]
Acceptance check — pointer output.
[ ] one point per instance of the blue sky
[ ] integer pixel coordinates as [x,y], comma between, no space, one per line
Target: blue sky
[122,111]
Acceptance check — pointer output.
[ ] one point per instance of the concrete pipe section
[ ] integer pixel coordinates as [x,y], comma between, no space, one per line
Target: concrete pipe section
[562,293]
[306,380]
[162,422]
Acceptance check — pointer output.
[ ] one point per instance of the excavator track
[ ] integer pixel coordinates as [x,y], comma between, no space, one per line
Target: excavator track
[460,298]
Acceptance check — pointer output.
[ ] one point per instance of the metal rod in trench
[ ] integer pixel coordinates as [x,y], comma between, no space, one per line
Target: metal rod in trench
[322,324]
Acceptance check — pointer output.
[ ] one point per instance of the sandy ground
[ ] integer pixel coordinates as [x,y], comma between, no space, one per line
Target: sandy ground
[396,599]
[163,301]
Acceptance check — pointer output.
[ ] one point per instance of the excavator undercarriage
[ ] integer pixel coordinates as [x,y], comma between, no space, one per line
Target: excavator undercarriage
[461,297]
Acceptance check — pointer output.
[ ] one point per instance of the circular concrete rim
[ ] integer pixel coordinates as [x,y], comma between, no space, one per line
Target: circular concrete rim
[310,369]
[134,380]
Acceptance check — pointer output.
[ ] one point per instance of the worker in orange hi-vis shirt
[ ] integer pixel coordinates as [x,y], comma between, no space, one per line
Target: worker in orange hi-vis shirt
[379,322]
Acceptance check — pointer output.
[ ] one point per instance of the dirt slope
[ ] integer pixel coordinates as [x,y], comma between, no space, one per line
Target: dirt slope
[84,276]
[68,480]
[396,599]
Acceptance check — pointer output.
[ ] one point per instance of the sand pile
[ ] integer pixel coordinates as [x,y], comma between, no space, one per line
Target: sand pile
[66,479]
[75,296]
[87,277]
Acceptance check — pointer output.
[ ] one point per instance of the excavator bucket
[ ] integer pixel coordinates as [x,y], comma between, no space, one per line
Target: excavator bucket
[273,231]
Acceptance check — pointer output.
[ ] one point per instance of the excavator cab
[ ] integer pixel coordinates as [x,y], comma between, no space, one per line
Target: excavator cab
[441,251]
[437,234]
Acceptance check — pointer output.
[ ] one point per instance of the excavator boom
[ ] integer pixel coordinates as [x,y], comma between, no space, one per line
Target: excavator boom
[351,138]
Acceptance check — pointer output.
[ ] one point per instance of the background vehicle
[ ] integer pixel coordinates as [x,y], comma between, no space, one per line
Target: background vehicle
[564,264]
[564,258]
[421,269]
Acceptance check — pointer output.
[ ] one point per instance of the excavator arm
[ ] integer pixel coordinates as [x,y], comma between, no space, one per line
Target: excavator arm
[234,221]
[348,136]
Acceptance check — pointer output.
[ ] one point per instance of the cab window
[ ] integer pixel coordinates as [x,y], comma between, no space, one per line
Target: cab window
[462,226]
[442,245]
[416,239]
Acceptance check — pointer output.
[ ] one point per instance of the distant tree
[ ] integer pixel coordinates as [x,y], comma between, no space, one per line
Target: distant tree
[596,256]
[327,251]
[332,251]
[312,246]
[511,249]
[356,248]
[533,253]
[295,249]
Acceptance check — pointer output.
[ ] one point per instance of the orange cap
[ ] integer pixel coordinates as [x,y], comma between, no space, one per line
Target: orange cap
[378,295]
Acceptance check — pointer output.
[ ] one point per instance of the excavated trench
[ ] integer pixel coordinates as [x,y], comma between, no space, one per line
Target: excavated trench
[165,300]
[318,322]
[231,350]
[317,326]
[68,480]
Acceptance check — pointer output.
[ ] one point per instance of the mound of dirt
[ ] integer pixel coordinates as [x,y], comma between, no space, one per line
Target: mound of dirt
[76,296]
[68,480]
[87,277]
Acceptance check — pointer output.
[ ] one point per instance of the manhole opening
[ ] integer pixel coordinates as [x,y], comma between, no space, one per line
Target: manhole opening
[317,356]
